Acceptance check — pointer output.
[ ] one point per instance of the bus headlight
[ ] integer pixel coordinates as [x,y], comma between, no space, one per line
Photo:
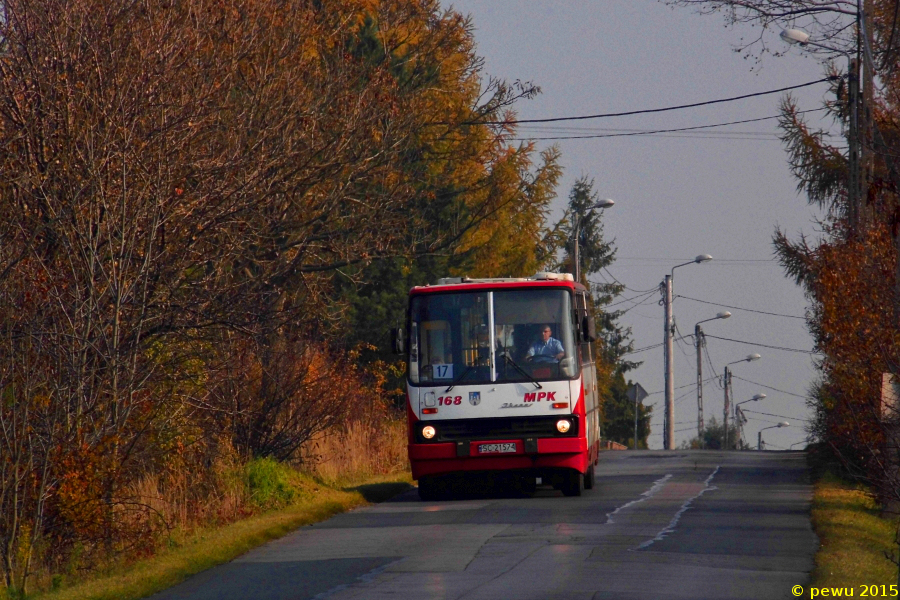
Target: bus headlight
[563,425]
[428,432]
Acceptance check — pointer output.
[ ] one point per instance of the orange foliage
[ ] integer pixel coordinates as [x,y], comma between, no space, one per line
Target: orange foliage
[855,327]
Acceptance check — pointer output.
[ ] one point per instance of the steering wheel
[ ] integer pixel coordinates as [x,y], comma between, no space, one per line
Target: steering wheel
[543,359]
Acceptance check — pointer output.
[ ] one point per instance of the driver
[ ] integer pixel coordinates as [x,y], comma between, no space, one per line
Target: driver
[546,349]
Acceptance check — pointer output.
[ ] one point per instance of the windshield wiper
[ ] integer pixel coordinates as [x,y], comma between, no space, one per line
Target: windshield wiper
[510,361]
[460,378]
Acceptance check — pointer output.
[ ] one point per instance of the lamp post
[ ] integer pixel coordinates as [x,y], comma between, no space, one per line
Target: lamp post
[738,413]
[759,442]
[726,383]
[669,329]
[854,192]
[699,342]
[604,203]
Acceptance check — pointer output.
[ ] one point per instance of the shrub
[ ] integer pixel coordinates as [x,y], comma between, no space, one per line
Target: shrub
[269,483]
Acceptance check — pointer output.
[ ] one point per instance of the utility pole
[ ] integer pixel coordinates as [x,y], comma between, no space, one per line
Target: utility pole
[669,331]
[867,116]
[575,267]
[853,185]
[698,339]
[669,441]
[727,384]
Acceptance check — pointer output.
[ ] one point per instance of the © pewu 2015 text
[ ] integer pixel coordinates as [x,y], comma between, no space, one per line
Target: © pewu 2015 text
[861,591]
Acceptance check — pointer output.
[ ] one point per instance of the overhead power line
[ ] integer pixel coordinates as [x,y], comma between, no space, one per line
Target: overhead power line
[684,386]
[762,312]
[641,303]
[669,260]
[650,110]
[743,134]
[646,348]
[715,337]
[769,387]
[632,299]
[756,412]
[771,137]
[653,289]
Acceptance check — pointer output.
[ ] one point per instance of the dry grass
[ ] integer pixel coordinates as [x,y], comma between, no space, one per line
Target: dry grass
[853,537]
[205,548]
[212,521]
[359,452]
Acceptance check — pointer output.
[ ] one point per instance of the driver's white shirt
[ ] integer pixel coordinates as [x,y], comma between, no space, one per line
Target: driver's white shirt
[552,347]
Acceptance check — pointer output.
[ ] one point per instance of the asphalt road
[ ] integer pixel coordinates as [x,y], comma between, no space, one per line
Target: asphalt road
[657,525]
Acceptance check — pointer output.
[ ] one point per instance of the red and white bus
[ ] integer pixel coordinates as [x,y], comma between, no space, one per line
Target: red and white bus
[501,381]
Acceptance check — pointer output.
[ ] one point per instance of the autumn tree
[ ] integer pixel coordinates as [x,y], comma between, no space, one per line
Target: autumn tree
[181,184]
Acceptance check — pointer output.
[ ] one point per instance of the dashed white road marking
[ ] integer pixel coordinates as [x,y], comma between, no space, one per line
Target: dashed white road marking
[657,485]
[671,526]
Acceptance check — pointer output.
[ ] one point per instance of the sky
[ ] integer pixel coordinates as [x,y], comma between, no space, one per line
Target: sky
[721,192]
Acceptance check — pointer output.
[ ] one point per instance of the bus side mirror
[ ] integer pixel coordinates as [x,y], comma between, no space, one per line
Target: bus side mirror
[397,342]
[588,331]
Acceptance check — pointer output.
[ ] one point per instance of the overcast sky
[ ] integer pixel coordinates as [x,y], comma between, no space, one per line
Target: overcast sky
[721,191]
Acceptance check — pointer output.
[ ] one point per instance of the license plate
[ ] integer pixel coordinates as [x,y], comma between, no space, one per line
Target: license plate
[496,448]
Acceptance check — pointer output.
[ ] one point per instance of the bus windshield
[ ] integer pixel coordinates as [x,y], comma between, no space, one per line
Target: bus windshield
[486,336]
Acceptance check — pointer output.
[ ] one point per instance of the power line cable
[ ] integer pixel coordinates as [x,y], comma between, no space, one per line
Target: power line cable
[756,412]
[772,138]
[680,387]
[670,260]
[626,287]
[684,395]
[713,367]
[679,340]
[655,132]
[769,387]
[622,301]
[715,337]
[642,303]
[762,312]
[645,348]
[650,110]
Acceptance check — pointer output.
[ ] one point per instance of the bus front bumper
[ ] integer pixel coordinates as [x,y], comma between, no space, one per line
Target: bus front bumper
[461,456]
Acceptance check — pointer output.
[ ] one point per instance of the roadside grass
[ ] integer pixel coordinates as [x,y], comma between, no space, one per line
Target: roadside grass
[853,536]
[252,503]
[191,553]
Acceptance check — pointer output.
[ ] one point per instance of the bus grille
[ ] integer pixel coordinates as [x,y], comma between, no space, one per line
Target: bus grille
[496,428]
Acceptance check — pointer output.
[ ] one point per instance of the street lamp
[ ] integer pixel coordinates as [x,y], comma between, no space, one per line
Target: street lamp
[669,330]
[726,383]
[699,341]
[801,38]
[759,442]
[755,398]
[604,203]
[740,421]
